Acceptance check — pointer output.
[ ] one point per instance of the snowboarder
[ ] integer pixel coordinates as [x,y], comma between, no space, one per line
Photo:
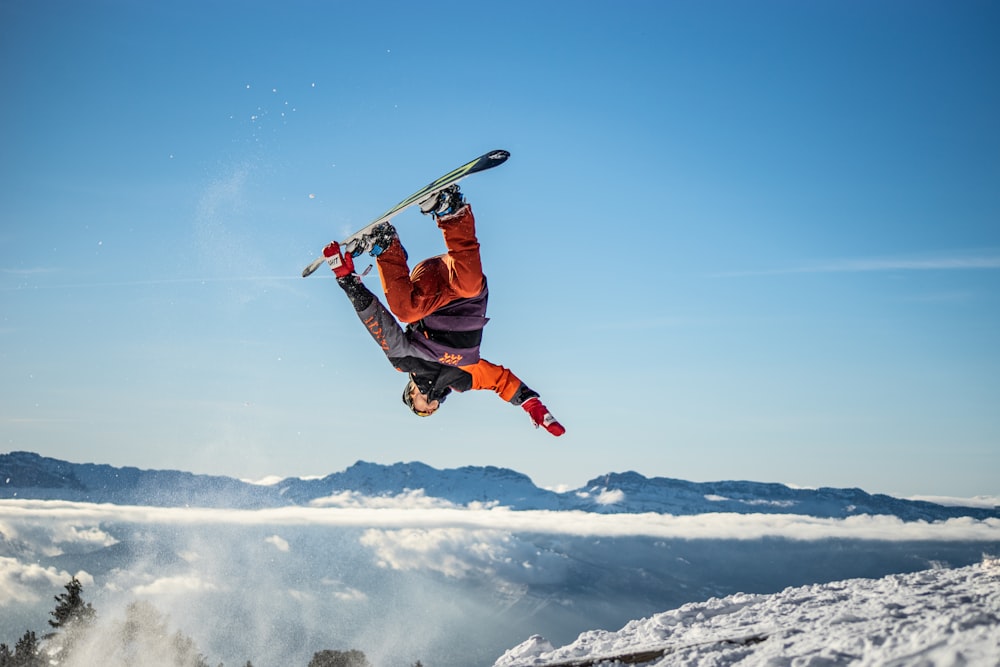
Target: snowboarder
[443,304]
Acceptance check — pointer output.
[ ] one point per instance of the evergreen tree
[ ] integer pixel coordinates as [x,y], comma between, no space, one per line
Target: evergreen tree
[70,621]
[144,632]
[6,657]
[327,658]
[26,653]
[71,608]
[185,651]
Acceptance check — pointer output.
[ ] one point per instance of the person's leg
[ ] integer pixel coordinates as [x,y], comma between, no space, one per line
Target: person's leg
[464,264]
[436,281]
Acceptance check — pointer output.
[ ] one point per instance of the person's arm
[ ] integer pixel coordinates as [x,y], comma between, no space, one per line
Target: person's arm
[486,375]
[509,387]
[382,326]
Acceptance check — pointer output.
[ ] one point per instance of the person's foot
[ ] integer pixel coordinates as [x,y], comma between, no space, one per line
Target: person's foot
[444,202]
[375,241]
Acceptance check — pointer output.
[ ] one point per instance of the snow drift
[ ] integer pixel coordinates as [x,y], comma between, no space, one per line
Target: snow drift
[929,618]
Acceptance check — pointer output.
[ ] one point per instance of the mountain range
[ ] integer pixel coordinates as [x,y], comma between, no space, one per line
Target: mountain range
[28,475]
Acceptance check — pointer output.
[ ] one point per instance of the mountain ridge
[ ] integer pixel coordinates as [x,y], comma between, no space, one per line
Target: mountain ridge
[29,475]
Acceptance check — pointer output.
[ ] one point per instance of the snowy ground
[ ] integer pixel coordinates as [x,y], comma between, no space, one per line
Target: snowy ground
[932,618]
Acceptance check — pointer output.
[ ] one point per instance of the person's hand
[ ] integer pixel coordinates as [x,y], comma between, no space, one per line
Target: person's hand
[541,416]
[342,265]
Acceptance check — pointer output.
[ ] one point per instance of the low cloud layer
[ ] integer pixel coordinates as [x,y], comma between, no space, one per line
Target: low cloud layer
[82,520]
[955,262]
[411,576]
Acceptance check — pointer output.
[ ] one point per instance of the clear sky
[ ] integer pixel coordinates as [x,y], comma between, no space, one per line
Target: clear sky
[735,240]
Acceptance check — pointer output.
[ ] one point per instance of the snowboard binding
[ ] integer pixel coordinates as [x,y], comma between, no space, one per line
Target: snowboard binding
[376,241]
[443,202]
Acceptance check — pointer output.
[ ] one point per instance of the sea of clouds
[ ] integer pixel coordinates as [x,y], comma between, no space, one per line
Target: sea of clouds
[413,578]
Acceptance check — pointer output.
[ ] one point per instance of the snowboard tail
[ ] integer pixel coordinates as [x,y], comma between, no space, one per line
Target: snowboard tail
[481,163]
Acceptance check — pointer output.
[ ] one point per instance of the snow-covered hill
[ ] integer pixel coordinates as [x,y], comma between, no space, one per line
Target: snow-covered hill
[930,618]
[27,475]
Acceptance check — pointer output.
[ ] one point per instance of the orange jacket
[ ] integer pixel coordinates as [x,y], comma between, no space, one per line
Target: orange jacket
[433,284]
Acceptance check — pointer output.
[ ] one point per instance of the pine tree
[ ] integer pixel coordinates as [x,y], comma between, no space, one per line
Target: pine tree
[71,607]
[26,652]
[70,620]
[145,632]
[327,658]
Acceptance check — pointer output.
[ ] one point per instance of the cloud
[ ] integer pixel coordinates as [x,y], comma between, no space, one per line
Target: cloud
[20,582]
[419,569]
[269,480]
[175,585]
[869,264]
[278,543]
[343,592]
[446,550]
[27,272]
[461,553]
[225,248]
[984,502]
[610,497]
[90,537]
[574,523]
[55,537]
[410,499]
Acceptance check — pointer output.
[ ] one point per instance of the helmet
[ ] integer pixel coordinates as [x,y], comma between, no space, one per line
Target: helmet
[408,399]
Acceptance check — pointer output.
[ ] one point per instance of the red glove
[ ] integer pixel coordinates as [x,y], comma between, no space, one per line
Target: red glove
[342,266]
[541,416]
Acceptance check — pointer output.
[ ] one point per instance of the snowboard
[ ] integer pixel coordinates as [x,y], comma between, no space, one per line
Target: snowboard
[481,163]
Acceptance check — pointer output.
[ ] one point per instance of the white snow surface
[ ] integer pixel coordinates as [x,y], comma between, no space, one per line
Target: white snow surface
[933,618]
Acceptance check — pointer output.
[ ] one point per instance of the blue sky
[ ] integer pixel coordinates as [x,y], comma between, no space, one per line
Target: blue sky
[734,240]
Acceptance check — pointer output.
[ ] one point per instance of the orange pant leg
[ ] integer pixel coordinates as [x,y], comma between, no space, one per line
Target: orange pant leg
[465,266]
[437,281]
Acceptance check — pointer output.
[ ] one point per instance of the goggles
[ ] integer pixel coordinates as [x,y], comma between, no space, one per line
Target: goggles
[408,390]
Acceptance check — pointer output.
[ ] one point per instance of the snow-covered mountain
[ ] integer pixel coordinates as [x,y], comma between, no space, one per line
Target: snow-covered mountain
[933,617]
[27,475]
